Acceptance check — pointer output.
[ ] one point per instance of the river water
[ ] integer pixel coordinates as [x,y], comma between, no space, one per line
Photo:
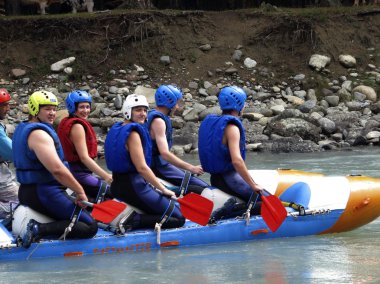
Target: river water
[352,257]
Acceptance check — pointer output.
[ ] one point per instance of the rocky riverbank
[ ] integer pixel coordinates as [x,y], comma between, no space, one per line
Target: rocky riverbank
[313,108]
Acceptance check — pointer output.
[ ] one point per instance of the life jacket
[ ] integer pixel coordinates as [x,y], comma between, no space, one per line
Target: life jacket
[117,157]
[29,170]
[63,131]
[213,154]
[169,129]
[3,128]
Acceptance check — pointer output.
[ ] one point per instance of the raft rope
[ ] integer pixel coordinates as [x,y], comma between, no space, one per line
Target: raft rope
[74,218]
[168,212]
[184,184]
[295,206]
[251,203]
[311,212]
[103,188]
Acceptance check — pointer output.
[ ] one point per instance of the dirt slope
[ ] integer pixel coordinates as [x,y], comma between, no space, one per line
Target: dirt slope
[280,41]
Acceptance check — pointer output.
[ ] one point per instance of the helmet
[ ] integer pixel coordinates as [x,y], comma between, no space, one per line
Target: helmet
[132,101]
[76,97]
[167,96]
[40,98]
[4,96]
[232,98]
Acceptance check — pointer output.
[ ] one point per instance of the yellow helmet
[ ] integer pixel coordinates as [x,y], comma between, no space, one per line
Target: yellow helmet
[40,98]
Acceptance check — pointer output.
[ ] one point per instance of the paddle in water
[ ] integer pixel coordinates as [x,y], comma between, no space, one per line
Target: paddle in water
[272,211]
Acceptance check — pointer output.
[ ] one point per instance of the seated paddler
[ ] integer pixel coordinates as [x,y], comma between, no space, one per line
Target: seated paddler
[222,151]
[80,147]
[128,154]
[43,175]
[165,164]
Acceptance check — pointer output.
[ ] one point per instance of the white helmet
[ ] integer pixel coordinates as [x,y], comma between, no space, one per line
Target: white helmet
[132,101]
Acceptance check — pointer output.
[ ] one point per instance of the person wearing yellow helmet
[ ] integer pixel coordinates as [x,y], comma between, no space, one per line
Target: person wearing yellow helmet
[8,187]
[41,172]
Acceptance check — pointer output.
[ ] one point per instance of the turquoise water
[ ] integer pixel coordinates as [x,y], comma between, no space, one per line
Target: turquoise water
[352,257]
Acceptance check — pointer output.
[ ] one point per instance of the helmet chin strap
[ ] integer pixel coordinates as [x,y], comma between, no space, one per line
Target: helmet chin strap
[39,120]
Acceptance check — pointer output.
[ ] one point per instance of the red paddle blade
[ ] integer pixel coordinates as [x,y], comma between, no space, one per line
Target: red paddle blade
[107,211]
[196,208]
[273,212]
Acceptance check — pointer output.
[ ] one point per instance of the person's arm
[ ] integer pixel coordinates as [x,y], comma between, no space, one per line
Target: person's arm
[78,137]
[43,145]
[158,129]
[135,149]
[232,133]
[5,146]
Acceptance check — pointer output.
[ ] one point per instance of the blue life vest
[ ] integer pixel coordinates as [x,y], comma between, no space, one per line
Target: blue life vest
[213,154]
[169,129]
[29,170]
[117,157]
[157,160]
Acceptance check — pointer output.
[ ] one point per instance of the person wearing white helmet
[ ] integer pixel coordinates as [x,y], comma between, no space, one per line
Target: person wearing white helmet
[80,146]
[41,172]
[128,155]
[8,187]
[165,164]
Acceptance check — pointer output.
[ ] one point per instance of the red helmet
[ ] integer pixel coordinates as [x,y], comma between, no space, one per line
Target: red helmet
[4,96]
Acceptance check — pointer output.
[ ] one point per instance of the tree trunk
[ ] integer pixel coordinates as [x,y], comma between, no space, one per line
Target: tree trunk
[12,7]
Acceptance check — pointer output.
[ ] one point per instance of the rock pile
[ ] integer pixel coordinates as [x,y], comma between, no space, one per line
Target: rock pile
[301,115]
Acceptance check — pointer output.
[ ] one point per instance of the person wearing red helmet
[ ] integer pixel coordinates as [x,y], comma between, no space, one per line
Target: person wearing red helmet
[8,187]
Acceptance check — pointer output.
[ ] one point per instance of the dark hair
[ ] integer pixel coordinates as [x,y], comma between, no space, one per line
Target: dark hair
[227,111]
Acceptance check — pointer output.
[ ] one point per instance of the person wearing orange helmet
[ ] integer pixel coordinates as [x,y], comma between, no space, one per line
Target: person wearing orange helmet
[8,187]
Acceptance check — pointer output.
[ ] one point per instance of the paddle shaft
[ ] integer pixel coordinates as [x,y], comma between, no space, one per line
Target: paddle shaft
[82,201]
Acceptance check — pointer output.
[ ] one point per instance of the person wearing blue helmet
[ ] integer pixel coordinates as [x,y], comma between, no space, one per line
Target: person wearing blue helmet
[222,147]
[165,164]
[79,144]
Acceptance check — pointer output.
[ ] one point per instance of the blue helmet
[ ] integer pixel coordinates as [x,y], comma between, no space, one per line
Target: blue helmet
[76,97]
[167,96]
[232,98]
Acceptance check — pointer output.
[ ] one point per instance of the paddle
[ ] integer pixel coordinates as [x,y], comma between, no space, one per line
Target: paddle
[106,211]
[195,208]
[272,211]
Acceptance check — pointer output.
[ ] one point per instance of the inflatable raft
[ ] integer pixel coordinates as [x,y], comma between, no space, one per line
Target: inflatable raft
[335,204]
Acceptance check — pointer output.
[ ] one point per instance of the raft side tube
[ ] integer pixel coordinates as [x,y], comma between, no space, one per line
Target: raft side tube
[6,239]
[327,192]
[363,204]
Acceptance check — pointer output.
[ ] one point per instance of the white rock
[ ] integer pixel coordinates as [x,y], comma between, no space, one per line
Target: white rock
[347,61]
[369,92]
[60,65]
[318,61]
[68,70]
[249,63]
[147,92]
